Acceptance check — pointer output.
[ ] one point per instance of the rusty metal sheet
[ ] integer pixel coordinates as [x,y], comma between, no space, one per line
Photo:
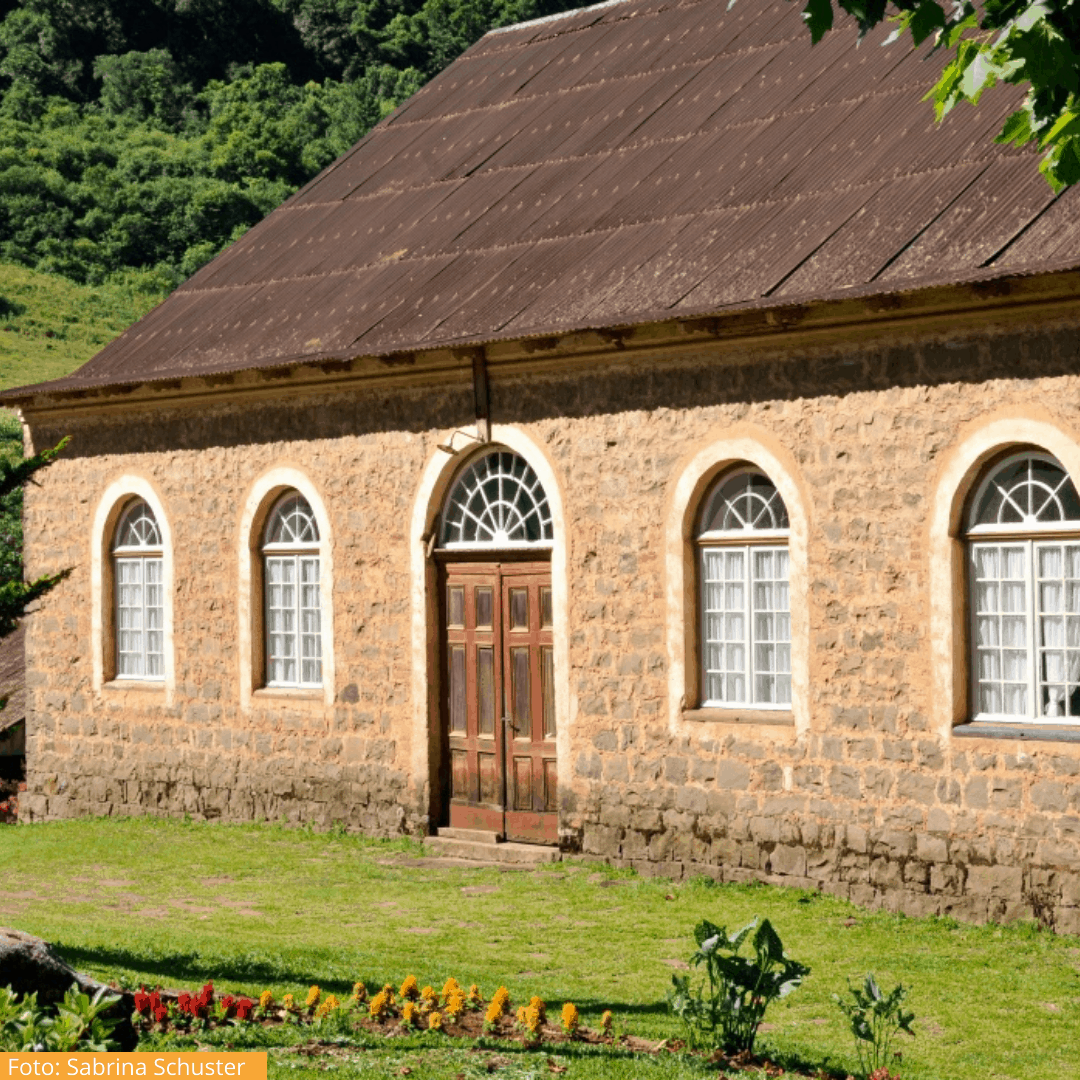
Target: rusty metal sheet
[991,212]
[759,261]
[1053,234]
[646,157]
[890,220]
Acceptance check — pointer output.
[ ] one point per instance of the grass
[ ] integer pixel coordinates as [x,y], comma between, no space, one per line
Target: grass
[49,326]
[259,907]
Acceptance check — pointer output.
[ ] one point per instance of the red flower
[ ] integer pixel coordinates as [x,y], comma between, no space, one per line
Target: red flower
[155,1001]
[184,1001]
[161,1013]
[142,1002]
[227,1003]
[244,1008]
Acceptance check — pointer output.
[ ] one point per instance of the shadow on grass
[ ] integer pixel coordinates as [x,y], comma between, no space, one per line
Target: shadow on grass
[188,968]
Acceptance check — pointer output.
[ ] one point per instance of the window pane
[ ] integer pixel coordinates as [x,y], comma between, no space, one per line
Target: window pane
[1000,596]
[310,622]
[129,617]
[723,626]
[1058,629]
[772,628]
[281,618]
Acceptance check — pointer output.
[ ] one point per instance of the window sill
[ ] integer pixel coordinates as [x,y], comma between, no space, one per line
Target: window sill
[293,693]
[153,686]
[1029,732]
[758,717]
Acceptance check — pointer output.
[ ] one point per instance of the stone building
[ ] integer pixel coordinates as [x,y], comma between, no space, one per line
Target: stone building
[654,438]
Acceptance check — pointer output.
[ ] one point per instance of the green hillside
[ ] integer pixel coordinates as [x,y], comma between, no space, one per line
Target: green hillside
[49,326]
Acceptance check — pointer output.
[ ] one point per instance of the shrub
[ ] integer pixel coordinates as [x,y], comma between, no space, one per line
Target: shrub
[725,1008]
[876,1019]
[77,1023]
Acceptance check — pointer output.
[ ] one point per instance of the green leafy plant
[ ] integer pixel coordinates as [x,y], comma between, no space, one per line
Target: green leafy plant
[725,1008]
[77,1023]
[875,1018]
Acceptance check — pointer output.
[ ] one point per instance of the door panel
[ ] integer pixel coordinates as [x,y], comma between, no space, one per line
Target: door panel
[499,704]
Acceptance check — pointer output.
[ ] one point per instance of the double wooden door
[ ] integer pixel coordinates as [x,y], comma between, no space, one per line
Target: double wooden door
[499,699]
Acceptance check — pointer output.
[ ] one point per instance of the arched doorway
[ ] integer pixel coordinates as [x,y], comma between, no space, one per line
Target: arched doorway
[498,717]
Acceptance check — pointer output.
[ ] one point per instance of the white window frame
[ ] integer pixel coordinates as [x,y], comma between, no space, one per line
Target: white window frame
[1030,536]
[497,518]
[749,541]
[144,555]
[295,554]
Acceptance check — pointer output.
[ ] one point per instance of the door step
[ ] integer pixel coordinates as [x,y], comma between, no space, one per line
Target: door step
[478,836]
[489,851]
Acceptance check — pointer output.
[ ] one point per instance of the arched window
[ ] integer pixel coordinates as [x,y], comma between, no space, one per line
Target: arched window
[742,538]
[1023,532]
[293,604]
[139,570]
[497,501]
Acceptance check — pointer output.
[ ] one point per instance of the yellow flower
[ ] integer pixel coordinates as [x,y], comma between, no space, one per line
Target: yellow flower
[388,990]
[266,999]
[380,1005]
[410,988]
[570,1019]
[501,1000]
[491,1017]
[327,1007]
[539,1006]
[434,1021]
[409,1014]
[288,1002]
[455,1004]
[605,1021]
[428,994]
[521,1015]
[474,995]
[533,1019]
[313,997]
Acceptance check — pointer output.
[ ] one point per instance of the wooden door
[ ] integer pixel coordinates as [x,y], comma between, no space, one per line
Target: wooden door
[499,701]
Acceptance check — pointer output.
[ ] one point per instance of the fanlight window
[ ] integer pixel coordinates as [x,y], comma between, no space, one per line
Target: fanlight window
[139,572]
[497,501]
[1024,591]
[292,596]
[744,594]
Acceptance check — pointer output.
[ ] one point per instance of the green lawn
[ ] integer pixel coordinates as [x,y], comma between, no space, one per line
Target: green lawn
[49,326]
[260,907]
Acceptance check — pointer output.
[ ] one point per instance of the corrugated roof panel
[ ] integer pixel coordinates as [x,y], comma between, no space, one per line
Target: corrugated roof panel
[617,164]
[1055,233]
[979,224]
[758,262]
[893,218]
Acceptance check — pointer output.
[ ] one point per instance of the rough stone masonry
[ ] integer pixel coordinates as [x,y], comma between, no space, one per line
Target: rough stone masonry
[869,801]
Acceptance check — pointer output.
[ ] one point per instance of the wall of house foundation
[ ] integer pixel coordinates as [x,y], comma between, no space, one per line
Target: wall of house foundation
[870,799]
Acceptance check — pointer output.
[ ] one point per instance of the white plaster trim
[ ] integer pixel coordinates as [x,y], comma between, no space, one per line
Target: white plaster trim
[948,600]
[105,519]
[679,553]
[263,493]
[438,474]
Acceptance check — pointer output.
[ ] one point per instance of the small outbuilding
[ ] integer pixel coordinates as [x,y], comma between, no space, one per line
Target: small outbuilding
[658,438]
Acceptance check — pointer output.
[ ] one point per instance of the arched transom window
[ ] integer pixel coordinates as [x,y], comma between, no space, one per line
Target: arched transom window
[1023,533]
[742,539]
[138,572]
[293,603]
[497,501]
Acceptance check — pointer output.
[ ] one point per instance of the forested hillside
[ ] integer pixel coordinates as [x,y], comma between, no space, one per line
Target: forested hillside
[148,134]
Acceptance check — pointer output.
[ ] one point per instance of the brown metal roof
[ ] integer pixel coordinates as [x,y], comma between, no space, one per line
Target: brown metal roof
[638,160]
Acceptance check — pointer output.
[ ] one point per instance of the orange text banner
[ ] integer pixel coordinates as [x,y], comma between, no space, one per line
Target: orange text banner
[162,1066]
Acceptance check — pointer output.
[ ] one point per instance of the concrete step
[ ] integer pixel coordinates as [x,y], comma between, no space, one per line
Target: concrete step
[519,854]
[479,836]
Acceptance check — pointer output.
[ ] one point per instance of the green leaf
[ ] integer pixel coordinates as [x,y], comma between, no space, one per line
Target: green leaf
[1016,129]
[818,16]
[928,17]
[767,943]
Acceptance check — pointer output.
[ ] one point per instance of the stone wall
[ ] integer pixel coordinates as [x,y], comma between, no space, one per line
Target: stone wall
[869,798]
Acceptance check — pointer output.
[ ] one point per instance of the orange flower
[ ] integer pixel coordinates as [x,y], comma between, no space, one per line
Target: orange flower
[570,1018]
[313,996]
[410,988]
